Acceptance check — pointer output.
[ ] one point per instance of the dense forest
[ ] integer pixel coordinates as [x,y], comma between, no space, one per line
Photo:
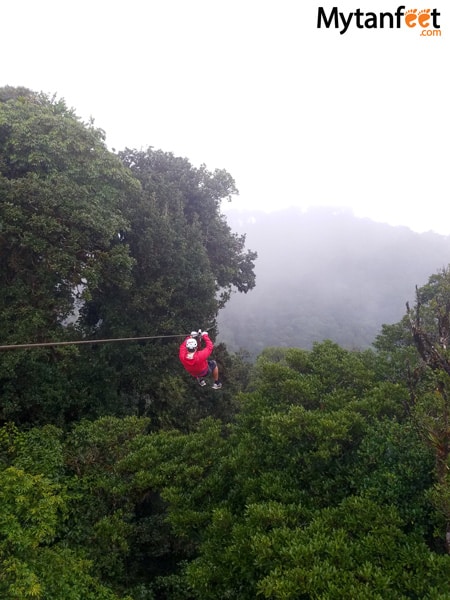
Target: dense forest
[315,473]
[325,274]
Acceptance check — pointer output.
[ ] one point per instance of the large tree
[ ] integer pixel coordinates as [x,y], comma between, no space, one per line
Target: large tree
[94,245]
[417,350]
[430,398]
[61,237]
[192,197]
[186,263]
[318,488]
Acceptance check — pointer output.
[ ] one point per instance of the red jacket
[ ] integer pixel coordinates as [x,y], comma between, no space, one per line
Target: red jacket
[196,363]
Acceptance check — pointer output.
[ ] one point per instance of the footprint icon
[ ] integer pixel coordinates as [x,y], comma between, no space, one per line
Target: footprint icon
[410,17]
[424,17]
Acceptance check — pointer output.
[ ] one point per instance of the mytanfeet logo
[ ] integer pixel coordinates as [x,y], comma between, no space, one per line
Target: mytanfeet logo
[425,21]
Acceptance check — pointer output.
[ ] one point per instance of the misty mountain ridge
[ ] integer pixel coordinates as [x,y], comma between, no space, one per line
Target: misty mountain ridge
[325,274]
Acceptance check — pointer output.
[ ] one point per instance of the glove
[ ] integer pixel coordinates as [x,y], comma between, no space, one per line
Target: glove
[204,333]
[194,333]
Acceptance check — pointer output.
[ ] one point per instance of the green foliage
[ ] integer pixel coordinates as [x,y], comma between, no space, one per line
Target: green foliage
[194,195]
[10,442]
[357,550]
[293,454]
[339,368]
[327,376]
[61,196]
[394,468]
[429,322]
[30,506]
[32,565]
[178,466]
[98,245]
[325,498]
[186,262]
[395,336]
[316,473]
[37,451]
[313,495]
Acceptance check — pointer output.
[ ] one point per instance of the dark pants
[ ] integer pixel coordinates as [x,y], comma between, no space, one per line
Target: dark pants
[211,366]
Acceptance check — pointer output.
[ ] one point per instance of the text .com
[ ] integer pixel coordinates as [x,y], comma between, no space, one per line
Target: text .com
[424,21]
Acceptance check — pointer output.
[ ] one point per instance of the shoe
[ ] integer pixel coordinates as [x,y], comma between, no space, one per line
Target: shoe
[217,386]
[201,382]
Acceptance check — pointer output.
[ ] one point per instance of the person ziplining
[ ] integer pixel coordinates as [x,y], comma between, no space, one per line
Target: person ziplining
[196,361]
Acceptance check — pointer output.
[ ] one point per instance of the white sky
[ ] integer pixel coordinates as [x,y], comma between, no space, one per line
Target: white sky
[298,115]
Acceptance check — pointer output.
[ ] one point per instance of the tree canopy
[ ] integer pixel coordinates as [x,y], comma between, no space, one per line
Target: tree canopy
[97,245]
[315,474]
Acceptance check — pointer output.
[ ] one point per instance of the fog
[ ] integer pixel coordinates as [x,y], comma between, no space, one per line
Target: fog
[326,274]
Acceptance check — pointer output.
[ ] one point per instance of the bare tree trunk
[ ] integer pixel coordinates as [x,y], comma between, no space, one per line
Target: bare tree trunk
[437,430]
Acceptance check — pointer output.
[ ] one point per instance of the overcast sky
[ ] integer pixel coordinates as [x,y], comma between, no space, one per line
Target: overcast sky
[298,115]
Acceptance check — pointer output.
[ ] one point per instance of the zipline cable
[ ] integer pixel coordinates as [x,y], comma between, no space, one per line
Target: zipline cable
[74,342]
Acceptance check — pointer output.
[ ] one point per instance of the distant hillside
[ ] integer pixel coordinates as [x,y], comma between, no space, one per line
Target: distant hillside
[326,274]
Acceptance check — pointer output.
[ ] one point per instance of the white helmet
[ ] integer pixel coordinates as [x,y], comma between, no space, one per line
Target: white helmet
[191,344]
